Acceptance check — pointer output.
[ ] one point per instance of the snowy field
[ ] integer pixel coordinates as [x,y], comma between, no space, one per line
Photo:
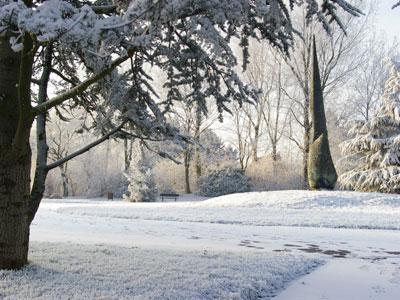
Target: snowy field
[281,208]
[243,246]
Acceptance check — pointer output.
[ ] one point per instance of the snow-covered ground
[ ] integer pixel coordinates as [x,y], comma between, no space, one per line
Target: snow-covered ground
[287,208]
[243,246]
[69,271]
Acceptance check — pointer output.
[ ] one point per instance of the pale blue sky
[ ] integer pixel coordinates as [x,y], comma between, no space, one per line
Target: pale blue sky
[388,19]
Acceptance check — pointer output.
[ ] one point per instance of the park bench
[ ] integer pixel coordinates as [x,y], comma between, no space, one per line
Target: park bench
[169,196]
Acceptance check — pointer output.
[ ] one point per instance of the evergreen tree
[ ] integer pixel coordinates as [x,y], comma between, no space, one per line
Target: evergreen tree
[375,145]
[142,187]
[321,170]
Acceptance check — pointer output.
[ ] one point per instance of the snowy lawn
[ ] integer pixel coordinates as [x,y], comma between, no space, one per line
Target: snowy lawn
[68,271]
[226,247]
[283,208]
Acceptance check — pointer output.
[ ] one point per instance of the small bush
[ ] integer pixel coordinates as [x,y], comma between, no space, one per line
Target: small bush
[223,182]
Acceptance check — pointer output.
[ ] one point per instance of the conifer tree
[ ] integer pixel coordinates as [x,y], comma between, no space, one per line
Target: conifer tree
[375,144]
[321,170]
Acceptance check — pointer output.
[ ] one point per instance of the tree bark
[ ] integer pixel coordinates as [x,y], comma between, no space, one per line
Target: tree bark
[306,143]
[274,152]
[187,171]
[255,142]
[127,153]
[14,199]
[15,159]
[42,148]
[65,181]
[197,133]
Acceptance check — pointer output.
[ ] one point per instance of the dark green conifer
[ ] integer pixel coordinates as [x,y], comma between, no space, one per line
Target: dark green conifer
[321,170]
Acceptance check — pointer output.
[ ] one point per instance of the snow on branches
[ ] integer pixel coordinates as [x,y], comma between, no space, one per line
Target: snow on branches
[188,40]
[375,146]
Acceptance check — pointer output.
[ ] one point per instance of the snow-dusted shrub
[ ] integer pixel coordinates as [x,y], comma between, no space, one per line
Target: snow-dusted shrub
[374,147]
[222,182]
[142,186]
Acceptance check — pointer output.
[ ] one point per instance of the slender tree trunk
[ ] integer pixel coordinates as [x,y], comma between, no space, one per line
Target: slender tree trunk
[187,171]
[274,152]
[306,143]
[64,180]
[197,132]
[198,163]
[255,142]
[41,170]
[15,158]
[127,153]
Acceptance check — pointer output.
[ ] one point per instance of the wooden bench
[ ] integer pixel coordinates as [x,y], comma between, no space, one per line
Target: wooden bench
[170,196]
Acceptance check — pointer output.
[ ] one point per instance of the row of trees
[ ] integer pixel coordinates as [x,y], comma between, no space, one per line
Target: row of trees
[372,154]
[353,73]
[281,114]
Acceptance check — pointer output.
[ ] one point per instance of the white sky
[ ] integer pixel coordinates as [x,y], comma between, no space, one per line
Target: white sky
[388,19]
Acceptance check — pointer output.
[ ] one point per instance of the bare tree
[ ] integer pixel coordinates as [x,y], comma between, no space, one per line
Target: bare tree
[265,119]
[60,138]
[258,74]
[276,114]
[242,131]
[193,123]
[367,85]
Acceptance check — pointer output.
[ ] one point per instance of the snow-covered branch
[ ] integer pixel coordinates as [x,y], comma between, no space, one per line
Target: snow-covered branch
[86,148]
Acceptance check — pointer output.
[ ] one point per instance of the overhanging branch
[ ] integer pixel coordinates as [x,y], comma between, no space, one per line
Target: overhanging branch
[80,88]
[84,149]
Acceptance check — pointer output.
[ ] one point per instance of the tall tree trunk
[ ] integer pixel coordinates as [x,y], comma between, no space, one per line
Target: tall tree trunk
[187,171]
[274,152]
[15,155]
[65,181]
[197,157]
[306,142]
[198,163]
[42,148]
[128,143]
[255,143]
[14,200]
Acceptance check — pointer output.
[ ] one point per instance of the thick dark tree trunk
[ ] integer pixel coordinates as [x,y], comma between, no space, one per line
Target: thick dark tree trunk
[15,165]
[14,200]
